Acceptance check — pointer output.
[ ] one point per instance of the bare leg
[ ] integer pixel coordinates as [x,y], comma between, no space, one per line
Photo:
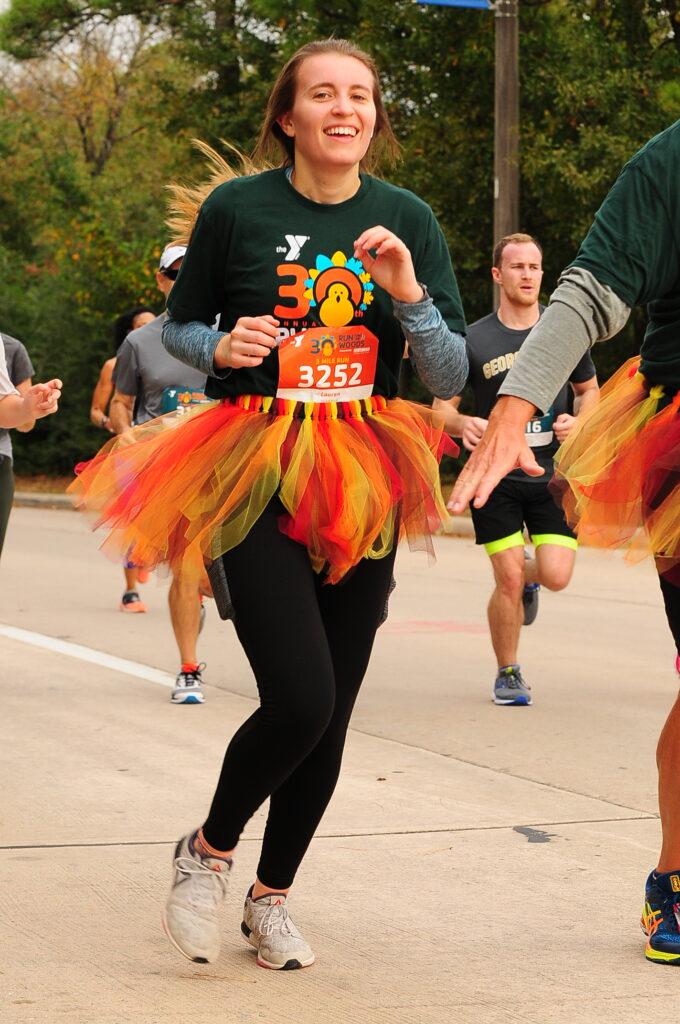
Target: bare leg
[185,614]
[668,752]
[130,579]
[553,566]
[505,610]
[668,763]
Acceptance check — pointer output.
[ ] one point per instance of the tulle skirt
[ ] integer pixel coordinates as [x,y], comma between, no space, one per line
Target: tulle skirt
[618,476]
[353,479]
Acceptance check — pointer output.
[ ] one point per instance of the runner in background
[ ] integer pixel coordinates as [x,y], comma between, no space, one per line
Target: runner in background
[519,500]
[99,415]
[308,470]
[103,392]
[17,369]
[148,382]
[21,404]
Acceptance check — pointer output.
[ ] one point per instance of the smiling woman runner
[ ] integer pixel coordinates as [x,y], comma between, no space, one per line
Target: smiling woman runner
[308,470]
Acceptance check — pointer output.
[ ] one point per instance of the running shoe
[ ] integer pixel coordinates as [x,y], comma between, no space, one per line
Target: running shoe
[661,918]
[187,689]
[530,602]
[510,688]
[267,926]
[191,913]
[131,602]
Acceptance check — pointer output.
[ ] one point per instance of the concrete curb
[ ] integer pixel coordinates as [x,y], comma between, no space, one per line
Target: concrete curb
[31,499]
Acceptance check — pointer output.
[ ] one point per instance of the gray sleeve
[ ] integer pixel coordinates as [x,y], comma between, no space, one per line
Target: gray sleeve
[582,311]
[194,343]
[125,374]
[22,367]
[438,353]
[6,386]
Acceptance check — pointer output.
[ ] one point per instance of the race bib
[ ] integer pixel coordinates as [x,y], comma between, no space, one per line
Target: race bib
[539,429]
[181,399]
[325,364]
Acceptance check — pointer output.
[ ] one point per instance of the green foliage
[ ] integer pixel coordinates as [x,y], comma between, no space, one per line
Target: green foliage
[101,100]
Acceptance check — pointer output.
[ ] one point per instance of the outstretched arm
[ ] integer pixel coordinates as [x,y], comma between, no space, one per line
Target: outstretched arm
[582,311]
[502,449]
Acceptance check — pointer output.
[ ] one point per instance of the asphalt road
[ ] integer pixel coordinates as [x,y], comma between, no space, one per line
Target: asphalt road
[477,863]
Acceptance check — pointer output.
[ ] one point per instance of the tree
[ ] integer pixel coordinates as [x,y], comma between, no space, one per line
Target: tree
[598,78]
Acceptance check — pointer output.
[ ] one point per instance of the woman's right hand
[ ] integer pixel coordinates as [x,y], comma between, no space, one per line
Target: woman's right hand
[251,340]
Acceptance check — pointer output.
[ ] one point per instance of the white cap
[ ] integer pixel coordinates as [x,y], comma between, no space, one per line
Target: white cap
[170,254]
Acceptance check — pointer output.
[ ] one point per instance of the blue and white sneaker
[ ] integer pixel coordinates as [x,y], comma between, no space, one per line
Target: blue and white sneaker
[661,918]
[187,689]
[510,688]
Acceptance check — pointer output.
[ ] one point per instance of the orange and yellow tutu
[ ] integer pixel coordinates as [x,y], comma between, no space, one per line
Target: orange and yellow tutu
[618,476]
[353,478]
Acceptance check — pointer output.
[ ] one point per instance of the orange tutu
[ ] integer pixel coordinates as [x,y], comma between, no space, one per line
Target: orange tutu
[353,477]
[618,476]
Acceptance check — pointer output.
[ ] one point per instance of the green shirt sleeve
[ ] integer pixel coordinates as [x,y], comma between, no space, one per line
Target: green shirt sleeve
[433,268]
[631,245]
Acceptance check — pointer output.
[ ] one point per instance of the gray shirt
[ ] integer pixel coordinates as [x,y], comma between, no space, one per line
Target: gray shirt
[19,368]
[144,369]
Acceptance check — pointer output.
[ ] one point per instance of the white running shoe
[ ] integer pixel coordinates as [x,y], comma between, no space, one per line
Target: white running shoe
[187,688]
[267,926]
[190,916]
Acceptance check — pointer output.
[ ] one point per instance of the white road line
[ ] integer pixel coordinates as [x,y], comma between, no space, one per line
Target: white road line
[50,643]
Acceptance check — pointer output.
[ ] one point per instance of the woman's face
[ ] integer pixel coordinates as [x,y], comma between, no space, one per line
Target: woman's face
[333,116]
[140,319]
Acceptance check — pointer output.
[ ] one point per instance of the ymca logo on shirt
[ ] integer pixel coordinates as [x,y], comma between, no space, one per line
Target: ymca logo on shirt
[293,246]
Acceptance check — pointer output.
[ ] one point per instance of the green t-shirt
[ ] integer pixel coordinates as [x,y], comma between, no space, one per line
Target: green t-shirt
[634,247]
[259,247]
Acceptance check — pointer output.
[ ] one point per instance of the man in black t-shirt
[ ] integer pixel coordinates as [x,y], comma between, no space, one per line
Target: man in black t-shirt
[519,500]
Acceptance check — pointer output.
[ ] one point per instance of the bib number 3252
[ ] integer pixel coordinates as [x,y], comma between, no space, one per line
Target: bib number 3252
[328,365]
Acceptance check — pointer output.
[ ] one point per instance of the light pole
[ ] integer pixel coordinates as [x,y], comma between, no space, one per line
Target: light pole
[506,119]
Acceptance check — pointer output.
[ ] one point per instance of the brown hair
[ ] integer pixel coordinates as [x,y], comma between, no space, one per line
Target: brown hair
[185,200]
[517,239]
[273,142]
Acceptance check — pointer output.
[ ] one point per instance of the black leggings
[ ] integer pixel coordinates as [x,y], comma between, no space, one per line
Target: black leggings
[671,598]
[308,644]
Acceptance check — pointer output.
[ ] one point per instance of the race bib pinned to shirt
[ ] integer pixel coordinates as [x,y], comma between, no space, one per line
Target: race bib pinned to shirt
[539,429]
[324,364]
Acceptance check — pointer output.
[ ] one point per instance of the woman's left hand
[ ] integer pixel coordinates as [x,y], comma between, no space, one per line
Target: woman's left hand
[391,267]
